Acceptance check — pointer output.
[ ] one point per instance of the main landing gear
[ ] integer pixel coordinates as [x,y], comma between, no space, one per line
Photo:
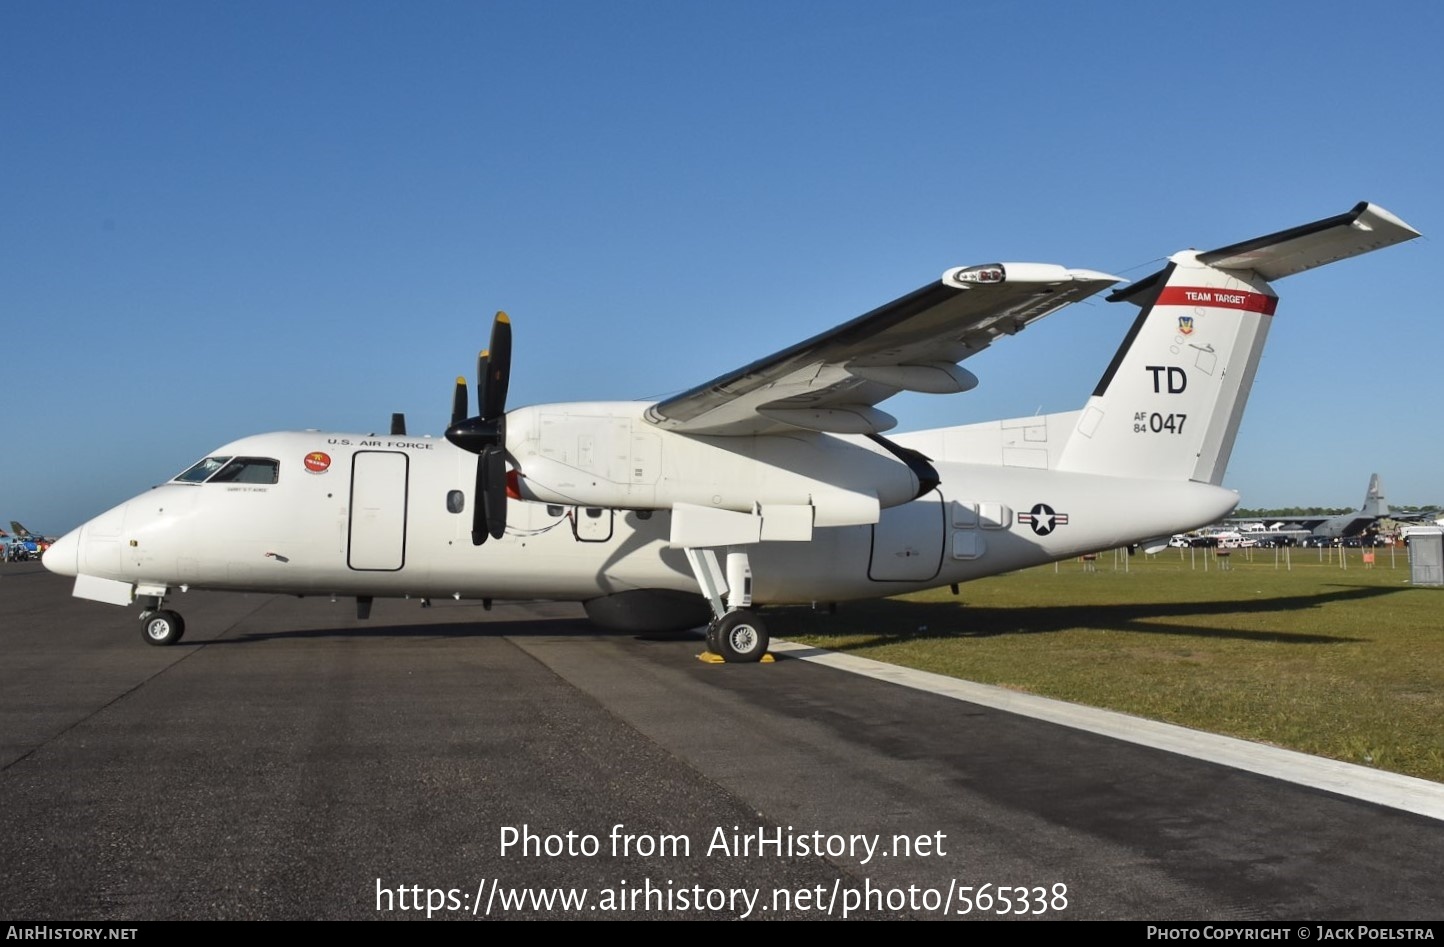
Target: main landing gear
[738,636]
[735,632]
[160,626]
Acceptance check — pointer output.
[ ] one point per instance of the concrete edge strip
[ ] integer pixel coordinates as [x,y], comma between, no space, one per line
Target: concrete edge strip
[1408,793]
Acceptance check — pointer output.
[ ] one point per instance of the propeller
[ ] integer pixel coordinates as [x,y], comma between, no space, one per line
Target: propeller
[485,434]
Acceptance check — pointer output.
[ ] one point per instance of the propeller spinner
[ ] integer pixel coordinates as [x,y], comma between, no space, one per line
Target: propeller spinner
[485,434]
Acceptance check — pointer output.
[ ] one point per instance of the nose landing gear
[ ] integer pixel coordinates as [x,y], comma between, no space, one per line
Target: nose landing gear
[160,626]
[164,627]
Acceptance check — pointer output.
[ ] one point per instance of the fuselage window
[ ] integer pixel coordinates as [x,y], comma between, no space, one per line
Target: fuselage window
[455,501]
[248,470]
[202,471]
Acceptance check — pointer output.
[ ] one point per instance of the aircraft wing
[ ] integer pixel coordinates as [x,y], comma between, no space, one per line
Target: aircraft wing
[1272,523]
[832,382]
[1340,524]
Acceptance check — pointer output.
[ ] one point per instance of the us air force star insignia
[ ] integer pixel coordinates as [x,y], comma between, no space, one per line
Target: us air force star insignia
[1043,519]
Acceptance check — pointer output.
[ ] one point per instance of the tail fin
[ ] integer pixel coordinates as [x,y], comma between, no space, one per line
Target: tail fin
[1374,502]
[1170,403]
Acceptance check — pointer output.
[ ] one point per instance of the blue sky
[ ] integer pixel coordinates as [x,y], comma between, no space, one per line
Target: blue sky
[218,219]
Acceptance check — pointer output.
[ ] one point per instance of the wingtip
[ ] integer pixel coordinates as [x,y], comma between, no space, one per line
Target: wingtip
[1364,207]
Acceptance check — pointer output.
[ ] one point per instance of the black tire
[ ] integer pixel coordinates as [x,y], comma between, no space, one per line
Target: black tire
[162,628]
[740,636]
[712,636]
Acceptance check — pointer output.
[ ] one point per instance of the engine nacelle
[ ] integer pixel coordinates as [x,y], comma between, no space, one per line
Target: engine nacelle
[603,454]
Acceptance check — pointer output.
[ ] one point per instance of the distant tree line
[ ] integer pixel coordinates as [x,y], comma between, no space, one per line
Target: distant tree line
[1245,513]
[1292,511]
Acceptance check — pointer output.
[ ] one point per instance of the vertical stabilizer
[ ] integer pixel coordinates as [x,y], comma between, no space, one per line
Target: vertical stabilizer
[1374,502]
[1170,403]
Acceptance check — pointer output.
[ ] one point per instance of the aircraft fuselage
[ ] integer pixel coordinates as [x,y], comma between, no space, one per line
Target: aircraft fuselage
[385,516]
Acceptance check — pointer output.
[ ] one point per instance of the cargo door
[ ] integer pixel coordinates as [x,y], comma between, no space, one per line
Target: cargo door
[907,542]
[377,540]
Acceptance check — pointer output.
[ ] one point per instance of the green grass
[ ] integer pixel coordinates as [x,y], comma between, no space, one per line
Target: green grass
[1344,663]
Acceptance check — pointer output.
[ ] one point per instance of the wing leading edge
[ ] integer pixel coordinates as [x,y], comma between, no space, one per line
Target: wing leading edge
[832,381]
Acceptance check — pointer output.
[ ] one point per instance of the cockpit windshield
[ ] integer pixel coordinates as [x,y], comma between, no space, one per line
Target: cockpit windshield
[248,470]
[202,471]
[232,470]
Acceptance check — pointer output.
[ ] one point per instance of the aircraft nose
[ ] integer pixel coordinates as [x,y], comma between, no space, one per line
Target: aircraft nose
[63,556]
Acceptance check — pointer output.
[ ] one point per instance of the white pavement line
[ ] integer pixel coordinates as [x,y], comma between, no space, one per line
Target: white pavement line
[1409,793]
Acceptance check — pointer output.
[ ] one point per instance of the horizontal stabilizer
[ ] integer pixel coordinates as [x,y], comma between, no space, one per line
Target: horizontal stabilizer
[1366,227]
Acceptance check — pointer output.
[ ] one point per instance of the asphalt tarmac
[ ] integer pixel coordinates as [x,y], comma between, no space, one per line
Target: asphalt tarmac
[288,761]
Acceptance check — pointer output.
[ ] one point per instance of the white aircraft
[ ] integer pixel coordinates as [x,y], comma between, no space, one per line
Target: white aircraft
[770,484]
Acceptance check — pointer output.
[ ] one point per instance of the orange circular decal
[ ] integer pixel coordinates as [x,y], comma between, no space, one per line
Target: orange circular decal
[318,462]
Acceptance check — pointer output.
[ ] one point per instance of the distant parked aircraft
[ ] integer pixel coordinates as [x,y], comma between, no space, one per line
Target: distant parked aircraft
[1343,525]
[23,545]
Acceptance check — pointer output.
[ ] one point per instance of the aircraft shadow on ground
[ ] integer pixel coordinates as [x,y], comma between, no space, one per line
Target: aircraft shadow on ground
[952,619]
[939,620]
[461,628]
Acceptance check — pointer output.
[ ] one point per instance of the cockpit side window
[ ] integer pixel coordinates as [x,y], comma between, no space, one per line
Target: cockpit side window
[248,470]
[202,471]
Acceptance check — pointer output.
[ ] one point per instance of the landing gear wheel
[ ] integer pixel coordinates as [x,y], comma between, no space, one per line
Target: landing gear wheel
[740,637]
[712,636]
[162,628]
